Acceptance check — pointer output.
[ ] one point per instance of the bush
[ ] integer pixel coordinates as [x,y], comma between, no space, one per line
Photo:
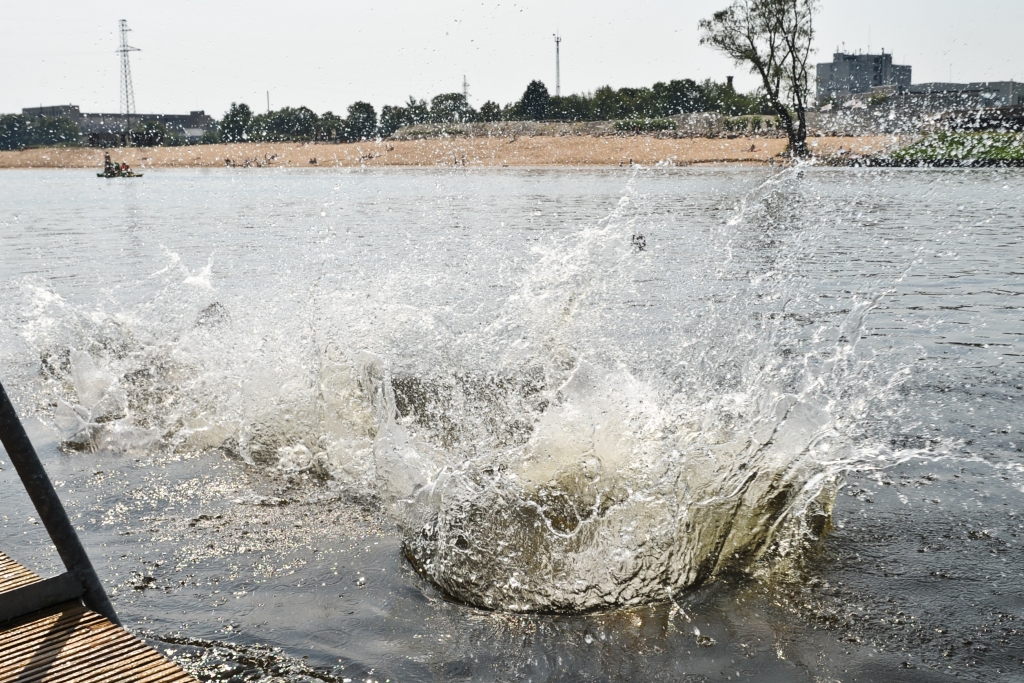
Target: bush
[644,125]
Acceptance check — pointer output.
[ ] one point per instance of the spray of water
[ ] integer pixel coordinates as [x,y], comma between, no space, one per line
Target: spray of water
[620,426]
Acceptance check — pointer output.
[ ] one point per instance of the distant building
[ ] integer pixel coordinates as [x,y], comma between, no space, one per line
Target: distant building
[850,74]
[191,125]
[984,93]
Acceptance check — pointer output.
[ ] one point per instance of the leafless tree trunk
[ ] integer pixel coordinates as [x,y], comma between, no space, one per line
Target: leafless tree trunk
[772,37]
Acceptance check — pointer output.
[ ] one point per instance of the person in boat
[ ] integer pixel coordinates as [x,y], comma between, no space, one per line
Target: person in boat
[108,165]
[125,169]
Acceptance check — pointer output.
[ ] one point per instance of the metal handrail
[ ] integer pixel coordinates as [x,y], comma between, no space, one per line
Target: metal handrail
[51,511]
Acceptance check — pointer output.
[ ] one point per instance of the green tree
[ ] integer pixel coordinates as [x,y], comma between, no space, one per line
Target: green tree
[416,111]
[234,127]
[533,105]
[606,105]
[330,128]
[570,108]
[292,124]
[361,123]
[679,97]
[773,38]
[391,119]
[154,134]
[451,108]
[490,111]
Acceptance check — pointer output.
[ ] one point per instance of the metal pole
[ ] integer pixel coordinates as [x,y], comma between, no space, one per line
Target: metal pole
[51,511]
[558,66]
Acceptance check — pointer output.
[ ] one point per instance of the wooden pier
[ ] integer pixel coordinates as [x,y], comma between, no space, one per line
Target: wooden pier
[69,643]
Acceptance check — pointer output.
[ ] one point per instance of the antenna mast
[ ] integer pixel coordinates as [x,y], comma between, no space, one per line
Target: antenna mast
[127,92]
[558,67]
[465,89]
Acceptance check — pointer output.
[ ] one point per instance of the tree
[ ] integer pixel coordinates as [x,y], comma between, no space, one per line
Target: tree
[606,104]
[391,119]
[490,111]
[533,106]
[292,124]
[772,37]
[330,128]
[234,126]
[155,134]
[570,108]
[679,97]
[361,123]
[416,111]
[451,108]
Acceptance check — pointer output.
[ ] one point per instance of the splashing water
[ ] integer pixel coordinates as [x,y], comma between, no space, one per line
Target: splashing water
[617,425]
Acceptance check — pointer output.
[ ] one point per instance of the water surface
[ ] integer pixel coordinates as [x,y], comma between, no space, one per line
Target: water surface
[782,442]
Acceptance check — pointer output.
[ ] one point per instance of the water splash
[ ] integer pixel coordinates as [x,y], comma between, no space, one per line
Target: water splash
[619,426]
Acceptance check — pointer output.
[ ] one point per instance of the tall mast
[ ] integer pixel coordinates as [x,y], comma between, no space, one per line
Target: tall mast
[558,67]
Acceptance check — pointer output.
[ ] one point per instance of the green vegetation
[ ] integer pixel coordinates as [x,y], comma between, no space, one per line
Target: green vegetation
[298,124]
[634,110]
[644,125]
[18,132]
[155,134]
[750,124]
[963,148]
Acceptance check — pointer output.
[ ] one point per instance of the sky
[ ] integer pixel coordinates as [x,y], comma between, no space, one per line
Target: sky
[327,55]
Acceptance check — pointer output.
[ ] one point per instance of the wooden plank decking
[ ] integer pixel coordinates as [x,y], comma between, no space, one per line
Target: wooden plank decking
[69,643]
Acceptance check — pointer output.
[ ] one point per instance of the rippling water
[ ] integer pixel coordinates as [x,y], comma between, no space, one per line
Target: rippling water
[801,395]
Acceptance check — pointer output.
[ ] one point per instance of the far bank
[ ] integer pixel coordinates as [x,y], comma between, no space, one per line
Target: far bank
[569,151]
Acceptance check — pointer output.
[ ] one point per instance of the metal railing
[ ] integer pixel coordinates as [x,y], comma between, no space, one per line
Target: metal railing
[80,580]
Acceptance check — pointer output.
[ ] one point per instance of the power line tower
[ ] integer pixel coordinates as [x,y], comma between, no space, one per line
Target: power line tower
[465,88]
[558,66]
[127,92]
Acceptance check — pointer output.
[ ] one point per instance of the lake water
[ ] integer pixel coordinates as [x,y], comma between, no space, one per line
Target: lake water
[538,425]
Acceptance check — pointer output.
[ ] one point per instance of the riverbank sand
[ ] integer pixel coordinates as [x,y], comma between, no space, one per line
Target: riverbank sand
[453,151]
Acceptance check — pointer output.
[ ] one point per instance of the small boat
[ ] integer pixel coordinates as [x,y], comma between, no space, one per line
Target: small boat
[112,170]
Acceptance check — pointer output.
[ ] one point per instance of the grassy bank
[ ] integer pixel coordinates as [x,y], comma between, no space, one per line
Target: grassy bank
[986,148]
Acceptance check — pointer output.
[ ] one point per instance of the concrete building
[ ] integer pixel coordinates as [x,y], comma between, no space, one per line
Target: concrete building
[850,74]
[191,125]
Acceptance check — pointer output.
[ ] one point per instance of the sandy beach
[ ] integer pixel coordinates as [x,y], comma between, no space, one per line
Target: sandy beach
[455,151]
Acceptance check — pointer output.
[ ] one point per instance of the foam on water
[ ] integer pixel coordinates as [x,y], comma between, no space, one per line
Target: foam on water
[565,450]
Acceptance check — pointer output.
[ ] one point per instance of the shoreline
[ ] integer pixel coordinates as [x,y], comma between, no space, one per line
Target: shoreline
[537,151]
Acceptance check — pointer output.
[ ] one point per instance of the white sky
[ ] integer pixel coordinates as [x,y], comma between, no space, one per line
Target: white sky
[326,55]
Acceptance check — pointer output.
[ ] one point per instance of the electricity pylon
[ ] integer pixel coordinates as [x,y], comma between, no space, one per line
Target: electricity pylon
[127,92]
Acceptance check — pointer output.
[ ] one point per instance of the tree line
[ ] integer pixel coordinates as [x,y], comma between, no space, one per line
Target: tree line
[536,104]
[18,131]
[361,122]
[604,104]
